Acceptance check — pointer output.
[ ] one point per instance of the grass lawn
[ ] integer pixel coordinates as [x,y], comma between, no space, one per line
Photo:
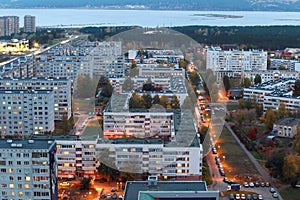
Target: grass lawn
[236,164]
[290,193]
[232,107]
[93,128]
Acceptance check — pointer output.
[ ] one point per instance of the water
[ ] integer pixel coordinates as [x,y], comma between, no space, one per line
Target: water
[150,18]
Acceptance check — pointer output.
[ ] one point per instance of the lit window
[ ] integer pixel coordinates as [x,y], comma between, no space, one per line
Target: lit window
[27,178]
[27,186]
[11,186]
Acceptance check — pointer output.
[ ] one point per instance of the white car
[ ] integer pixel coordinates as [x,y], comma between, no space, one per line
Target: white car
[246,184]
[251,184]
[243,196]
[237,196]
[260,197]
[275,195]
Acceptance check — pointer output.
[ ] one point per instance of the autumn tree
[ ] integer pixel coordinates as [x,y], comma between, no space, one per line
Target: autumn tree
[175,104]
[282,111]
[164,101]
[275,163]
[270,119]
[148,100]
[297,141]
[290,167]
[297,88]
[194,78]
[252,134]
[136,102]
[246,82]
[156,100]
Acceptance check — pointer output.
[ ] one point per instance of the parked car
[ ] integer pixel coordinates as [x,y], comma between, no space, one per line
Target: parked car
[275,195]
[231,196]
[268,184]
[251,184]
[103,196]
[256,184]
[246,184]
[237,196]
[272,190]
[249,197]
[113,190]
[243,196]
[262,184]
[225,180]
[254,196]
[108,196]
[260,197]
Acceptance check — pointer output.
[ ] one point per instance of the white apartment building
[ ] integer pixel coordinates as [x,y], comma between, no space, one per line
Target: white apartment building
[119,122]
[273,93]
[291,65]
[60,86]
[234,62]
[28,170]
[270,75]
[161,72]
[26,112]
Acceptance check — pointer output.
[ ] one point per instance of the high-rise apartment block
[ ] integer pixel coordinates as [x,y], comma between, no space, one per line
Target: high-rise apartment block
[9,25]
[28,170]
[26,112]
[60,86]
[29,24]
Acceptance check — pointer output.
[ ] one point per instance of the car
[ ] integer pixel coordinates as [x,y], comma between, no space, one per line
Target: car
[225,180]
[64,184]
[113,190]
[246,184]
[272,190]
[214,150]
[249,197]
[268,184]
[251,184]
[237,196]
[256,184]
[254,197]
[262,184]
[114,196]
[103,196]
[243,196]
[217,157]
[260,197]
[231,196]
[275,195]
[121,197]
[108,196]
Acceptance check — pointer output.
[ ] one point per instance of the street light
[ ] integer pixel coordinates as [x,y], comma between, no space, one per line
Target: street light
[224,158]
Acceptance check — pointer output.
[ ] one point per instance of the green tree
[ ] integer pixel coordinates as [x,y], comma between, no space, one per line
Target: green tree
[296,143]
[107,90]
[156,100]
[226,83]
[136,102]
[246,82]
[275,163]
[270,118]
[257,79]
[149,85]
[239,116]
[290,167]
[148,100]
[175,104]
[297,88]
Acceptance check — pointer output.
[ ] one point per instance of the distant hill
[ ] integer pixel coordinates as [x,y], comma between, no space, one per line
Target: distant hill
[203,5]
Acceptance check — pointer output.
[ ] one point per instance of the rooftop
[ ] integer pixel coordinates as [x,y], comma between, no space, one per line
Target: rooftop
[290,121]
[133,188]
[26,144]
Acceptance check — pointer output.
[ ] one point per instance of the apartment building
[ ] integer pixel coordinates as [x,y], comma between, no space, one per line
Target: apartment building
[26,112]
[233,63]
[161,72]
[60,86]
[9,25]
[28,170]
[29,24]
[272,93]
[287,127]
[288,64]
[270,75]
[14,46]
[155,189]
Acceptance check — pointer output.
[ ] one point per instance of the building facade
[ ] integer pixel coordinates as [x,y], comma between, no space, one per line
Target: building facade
[26,112]
[60,86]
[29,24]
[287,127]
[28,170]
[9,25]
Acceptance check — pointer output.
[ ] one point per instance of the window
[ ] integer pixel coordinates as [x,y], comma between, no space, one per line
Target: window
[11,185]
[26,186]
[27,178]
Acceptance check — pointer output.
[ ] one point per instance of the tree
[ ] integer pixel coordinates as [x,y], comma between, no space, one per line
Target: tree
[194,78]
[282,111]
[239,116]
[107,90]
[297,88]
[136,102]
[149,85]
[86,183]
[226,83]
[156,100]
[148,100]
[275,163]
[270,118]
[257,79]
[175,102]
[290,167]
[252,134]
[296,143]
[246,82]
[164,101]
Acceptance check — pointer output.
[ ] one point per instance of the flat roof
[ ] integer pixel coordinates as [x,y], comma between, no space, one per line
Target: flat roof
[133,188]
[25,144]
[290,121]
